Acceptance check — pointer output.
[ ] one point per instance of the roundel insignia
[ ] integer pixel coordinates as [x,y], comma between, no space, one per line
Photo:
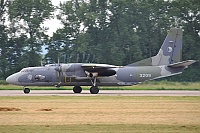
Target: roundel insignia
[30,77]
[169,49]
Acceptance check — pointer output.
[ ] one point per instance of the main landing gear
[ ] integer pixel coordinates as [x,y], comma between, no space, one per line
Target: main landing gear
[26,90]
[93,89]
[77,89]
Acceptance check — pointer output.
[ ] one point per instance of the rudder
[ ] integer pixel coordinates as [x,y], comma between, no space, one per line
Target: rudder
[169,53]
[171,50]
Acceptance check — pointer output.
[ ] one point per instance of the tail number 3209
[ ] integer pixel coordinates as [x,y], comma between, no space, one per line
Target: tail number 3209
[145,75]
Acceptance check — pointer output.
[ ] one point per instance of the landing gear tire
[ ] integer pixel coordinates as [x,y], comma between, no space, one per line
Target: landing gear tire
[26,90]
[94,90]
[77,89]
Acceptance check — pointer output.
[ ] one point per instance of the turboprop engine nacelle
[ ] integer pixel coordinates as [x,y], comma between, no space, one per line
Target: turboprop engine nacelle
[91,75]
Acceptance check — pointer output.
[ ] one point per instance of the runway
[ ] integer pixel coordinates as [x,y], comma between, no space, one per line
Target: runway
[101,93]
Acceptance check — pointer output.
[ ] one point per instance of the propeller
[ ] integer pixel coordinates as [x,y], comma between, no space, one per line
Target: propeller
[41,63]
[59,70]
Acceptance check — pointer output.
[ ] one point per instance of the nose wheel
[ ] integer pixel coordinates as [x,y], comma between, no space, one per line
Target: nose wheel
[26,90]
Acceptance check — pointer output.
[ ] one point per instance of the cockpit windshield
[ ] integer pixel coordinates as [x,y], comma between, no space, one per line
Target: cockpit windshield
[26,70]
[31,69]
[48,65]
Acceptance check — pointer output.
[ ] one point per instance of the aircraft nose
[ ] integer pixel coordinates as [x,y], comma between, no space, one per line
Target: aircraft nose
[12,79]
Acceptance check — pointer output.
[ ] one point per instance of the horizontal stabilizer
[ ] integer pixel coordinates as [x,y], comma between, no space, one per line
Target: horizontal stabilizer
[182,64]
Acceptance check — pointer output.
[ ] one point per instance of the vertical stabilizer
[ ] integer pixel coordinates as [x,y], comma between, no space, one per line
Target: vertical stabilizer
[169,53]
[171,50]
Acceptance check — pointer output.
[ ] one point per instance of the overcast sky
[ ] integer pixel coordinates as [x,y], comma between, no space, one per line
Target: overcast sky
[53,24]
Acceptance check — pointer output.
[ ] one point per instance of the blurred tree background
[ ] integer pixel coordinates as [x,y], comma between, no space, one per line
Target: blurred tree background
[116,32]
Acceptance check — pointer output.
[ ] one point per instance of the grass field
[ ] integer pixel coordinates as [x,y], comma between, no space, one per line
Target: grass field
[100,114]
[150,85]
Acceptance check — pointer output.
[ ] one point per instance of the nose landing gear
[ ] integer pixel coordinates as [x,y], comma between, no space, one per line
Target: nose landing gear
[26,90]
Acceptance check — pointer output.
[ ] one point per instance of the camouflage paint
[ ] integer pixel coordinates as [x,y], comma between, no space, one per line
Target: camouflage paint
[166,63]
[170,51]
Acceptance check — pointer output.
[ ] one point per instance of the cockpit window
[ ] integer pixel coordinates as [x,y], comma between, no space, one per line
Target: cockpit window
[48,65]
[25,70]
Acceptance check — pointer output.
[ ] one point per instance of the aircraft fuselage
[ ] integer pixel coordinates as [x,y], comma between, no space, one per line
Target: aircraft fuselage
[74,75]
[167,62]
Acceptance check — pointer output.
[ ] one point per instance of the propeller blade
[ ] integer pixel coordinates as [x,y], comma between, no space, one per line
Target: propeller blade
[58,61]
[59,71]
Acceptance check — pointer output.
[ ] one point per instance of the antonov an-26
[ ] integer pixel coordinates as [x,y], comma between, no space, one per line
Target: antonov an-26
[166,63]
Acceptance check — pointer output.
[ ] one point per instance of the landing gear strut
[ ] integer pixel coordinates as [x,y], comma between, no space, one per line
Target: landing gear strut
[94,89]
[26,90]
[77,89]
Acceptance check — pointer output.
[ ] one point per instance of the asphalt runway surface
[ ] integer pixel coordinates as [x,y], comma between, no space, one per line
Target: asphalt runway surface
[101,93]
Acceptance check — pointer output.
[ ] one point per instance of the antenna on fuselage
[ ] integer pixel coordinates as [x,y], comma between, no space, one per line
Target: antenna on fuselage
[42,62]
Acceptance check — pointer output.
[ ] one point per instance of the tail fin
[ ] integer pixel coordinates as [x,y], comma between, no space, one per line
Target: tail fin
[171,50]
[169,53]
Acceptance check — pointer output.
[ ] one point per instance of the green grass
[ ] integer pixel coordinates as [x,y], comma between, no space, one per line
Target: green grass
[102,128]
[150,85]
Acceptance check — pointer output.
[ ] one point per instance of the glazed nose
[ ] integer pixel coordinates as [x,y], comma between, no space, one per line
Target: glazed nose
[12,79]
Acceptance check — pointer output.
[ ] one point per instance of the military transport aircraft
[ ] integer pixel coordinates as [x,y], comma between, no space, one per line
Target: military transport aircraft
[166,63]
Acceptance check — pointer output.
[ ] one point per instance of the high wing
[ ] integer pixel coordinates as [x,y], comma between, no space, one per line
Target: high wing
[99,69]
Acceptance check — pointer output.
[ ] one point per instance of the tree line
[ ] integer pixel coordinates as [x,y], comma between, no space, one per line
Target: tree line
[116,32]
